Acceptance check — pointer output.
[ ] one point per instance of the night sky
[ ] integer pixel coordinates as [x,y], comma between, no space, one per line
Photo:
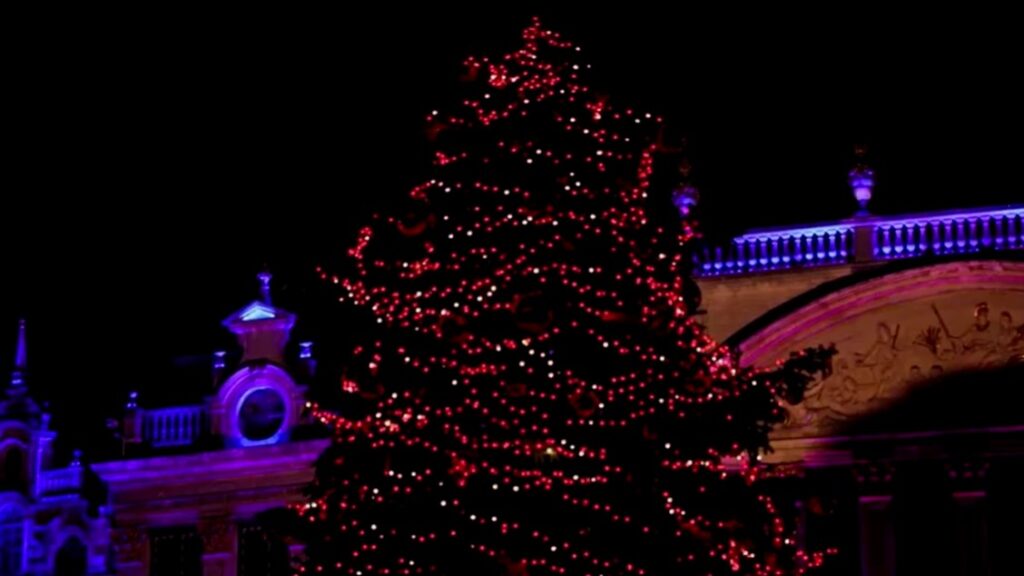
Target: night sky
[153,169]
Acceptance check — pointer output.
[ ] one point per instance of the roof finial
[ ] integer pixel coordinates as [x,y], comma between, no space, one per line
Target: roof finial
[20,358]
[264,278]
[862,179]
[685,195]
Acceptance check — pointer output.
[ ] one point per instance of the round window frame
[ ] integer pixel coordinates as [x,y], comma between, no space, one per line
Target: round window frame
[282,427]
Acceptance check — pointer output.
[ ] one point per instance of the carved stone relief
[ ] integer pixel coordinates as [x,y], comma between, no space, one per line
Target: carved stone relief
[889,351]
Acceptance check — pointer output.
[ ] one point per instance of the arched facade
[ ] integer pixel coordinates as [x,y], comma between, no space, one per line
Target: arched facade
[14,457]
[71,556]
[908,456]
[894,332]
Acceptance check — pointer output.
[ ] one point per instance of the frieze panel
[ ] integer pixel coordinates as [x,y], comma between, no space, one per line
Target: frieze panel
[891,350]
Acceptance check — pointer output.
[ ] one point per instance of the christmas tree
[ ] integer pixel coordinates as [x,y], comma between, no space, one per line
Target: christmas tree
[535,396]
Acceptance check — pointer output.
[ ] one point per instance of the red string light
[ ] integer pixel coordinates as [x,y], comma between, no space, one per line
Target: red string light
[549,405]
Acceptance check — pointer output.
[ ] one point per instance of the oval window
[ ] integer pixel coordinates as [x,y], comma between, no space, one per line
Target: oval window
[261,415]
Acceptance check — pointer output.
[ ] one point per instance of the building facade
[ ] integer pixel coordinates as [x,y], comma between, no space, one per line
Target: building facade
[907,458]
[186,496]
[53,519]
[902,457]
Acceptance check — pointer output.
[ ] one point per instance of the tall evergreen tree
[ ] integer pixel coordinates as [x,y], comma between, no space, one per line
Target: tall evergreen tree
[536,397]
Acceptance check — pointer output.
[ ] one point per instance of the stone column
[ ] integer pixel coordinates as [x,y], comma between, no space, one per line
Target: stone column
[967,482]
[877,533]
[131,551]
[863,242]
[220,546]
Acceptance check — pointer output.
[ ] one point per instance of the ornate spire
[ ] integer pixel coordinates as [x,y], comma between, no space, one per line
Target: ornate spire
[862,179]
[264,278]
[20,358]
[18,404]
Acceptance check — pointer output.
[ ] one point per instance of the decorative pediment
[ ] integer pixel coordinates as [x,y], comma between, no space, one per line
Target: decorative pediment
[253,312]
[256,311]
[262,330]
[893,334]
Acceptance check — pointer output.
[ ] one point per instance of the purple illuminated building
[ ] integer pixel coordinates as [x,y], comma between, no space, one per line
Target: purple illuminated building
[185,497]
[908,458]
[53,518]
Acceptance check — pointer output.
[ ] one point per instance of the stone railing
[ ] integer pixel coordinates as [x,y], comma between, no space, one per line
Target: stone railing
[779,249]
[961,232]
[61,481]
[866,239]
[177,426]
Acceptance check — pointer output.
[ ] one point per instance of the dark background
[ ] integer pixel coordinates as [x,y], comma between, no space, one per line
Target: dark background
[154,163]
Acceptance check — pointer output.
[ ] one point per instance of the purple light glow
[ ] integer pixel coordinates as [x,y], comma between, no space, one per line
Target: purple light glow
[961,232]
[942,233]
[685,198]
[862,180]
[257,311]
